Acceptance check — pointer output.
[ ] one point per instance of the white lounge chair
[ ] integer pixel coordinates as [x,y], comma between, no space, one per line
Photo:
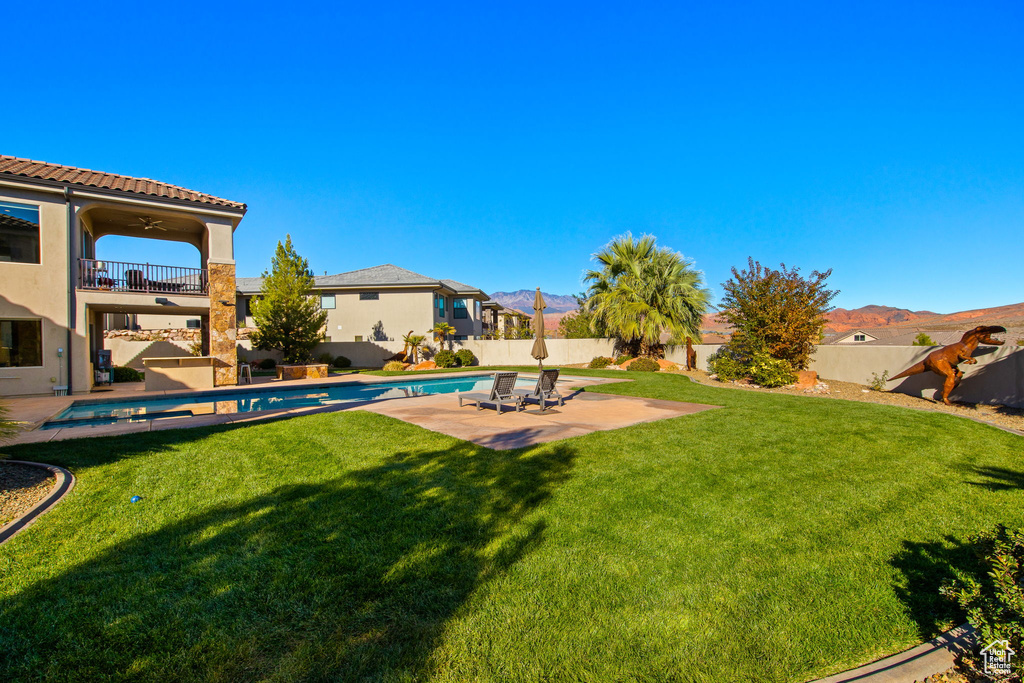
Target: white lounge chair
[502,392]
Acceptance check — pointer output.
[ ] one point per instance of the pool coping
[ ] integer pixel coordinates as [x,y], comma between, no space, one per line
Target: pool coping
[37,435]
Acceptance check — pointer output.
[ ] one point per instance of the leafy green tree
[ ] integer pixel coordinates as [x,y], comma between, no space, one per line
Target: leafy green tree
[642,290]
[776,311]
[580,324]
[923,339]
[287,314]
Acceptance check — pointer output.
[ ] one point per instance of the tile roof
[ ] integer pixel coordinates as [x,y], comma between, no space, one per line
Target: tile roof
[386,275]
[26,168]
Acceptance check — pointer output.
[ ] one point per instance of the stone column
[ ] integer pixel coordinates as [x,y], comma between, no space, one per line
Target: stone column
[223,344]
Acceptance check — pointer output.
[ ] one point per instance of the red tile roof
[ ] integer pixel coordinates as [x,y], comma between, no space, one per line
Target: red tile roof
[108,181]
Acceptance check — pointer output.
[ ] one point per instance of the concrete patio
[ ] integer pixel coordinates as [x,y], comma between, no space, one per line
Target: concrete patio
[582,413]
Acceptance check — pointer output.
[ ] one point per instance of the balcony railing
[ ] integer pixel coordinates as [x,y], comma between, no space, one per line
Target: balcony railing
[117,276]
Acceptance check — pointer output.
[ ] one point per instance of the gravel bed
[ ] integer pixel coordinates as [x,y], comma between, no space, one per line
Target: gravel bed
[1001,416]
[21,487]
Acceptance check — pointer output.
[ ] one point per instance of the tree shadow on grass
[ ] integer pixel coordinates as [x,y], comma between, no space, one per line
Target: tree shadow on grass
[999,479]
[925,567]
[348,579]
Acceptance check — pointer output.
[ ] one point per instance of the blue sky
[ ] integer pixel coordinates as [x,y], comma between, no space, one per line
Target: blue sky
[501,145]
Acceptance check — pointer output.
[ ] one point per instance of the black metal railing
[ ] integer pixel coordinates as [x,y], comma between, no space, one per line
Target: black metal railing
[117,276]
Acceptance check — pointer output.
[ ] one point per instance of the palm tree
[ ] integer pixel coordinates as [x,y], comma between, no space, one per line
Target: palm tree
[414,342]
[441,332]
[642,290]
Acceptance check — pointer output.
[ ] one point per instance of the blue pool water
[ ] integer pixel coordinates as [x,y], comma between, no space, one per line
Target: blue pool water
[210,403]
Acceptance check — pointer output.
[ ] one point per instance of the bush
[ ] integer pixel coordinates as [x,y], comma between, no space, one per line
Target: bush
[465,357]
[622,359]
[644,365]
[994,599]
[342,362]
[877,382]
[600,362]
[127,375]
[446,359]
[726,365]
[268,364]
[325,359]
[771,372]
[394,366]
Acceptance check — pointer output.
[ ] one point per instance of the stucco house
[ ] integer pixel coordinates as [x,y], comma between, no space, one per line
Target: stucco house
[56,289]
[383,303]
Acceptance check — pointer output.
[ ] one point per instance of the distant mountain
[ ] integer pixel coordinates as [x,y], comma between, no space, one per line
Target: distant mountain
[522,301]
[844,320]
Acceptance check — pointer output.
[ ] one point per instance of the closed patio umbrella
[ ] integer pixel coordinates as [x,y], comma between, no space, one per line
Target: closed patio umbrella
[540,349]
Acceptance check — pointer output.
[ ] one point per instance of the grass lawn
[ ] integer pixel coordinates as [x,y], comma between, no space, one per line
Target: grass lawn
[777,539]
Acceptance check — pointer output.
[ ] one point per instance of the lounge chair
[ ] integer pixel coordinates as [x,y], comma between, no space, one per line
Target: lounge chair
[546,389]
[502,392]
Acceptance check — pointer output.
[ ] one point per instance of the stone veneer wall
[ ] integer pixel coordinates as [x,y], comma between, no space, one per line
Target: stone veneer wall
[222,323]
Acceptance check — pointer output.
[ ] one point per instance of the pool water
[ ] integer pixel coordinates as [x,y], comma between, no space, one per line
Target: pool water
[211,403]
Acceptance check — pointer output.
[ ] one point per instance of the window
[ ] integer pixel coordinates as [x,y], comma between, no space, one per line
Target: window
[326,301]
[21,343]
[477,309]
[460,337]
[860,337]
[359,337]
[459,309]
[19,233]
[194,324]
[248,306]
[442,303]
[369,296]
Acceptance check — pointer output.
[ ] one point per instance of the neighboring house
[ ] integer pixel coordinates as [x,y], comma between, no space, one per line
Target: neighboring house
[56,289]
[501,322]
[384,303]
[894,337]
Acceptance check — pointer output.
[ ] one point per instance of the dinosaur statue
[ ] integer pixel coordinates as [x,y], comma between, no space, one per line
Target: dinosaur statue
[944,361]
[403,354]
[691,355]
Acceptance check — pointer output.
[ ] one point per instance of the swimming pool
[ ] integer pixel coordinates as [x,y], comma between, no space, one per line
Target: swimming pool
[91,412]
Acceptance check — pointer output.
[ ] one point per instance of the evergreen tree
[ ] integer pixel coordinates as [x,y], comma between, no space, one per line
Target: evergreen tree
[580,324]
[923,339]
[287,314]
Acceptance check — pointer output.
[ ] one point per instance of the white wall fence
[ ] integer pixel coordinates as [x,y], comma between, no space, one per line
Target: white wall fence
[997,378]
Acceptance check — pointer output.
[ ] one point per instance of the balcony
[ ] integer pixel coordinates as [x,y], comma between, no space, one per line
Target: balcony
[145,278]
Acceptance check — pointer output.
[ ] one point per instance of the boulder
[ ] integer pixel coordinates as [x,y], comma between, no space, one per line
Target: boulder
[806,379]
[425,365]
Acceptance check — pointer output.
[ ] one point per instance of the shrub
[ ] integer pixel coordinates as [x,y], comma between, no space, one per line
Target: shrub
[7,427]
[994,599]
[342,362]
[877,382]
[644,365]
[923,339]
[465,357]
[325,359]
[771,372]
[394,366]
[622,359]
[726,365]
[268,364]
[600,362]
[127,375]
[445,359]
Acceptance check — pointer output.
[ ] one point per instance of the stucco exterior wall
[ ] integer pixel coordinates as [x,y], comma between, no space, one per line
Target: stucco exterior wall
[997,378]
[39,291]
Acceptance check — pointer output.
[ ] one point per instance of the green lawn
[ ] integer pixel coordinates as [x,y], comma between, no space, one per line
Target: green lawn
[777,539]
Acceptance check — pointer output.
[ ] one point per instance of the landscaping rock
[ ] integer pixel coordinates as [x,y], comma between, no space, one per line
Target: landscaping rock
[667,364]
[425,365]
[21,487]
[806,379]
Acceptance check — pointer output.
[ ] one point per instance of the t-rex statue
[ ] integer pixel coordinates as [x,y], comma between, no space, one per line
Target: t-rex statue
[944,361]
[691,355]
[404,353]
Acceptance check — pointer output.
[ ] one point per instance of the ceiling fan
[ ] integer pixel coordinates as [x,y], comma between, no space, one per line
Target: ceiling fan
[150,224]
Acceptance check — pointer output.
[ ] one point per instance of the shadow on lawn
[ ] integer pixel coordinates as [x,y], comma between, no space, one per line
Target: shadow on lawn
[999,479]
[348,579]
[925,568]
